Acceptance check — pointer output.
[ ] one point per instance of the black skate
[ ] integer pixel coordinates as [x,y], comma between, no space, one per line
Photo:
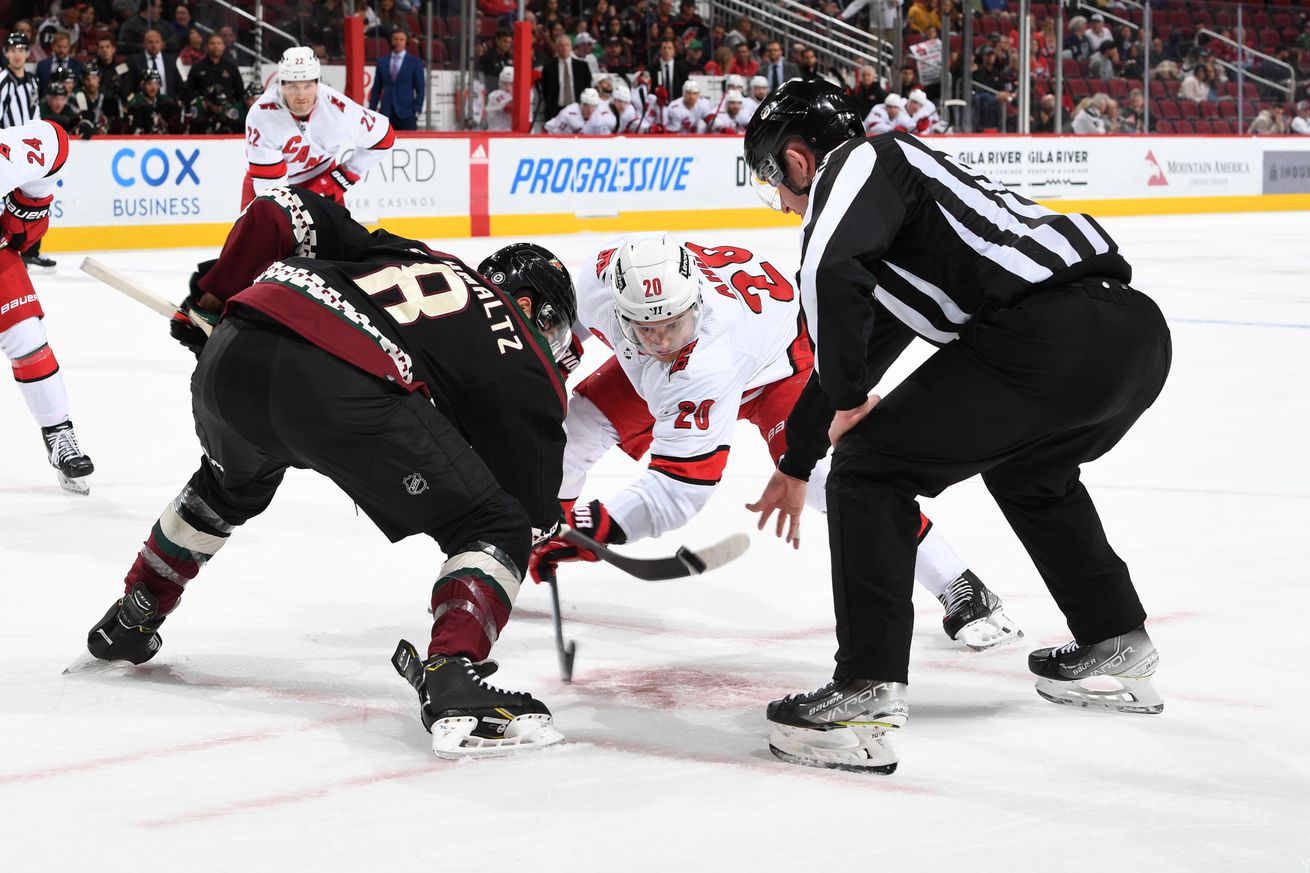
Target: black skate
[841,726]
[38,263]
[975,616]
[129,630]
[66,456]
[1128,660]
[467,717]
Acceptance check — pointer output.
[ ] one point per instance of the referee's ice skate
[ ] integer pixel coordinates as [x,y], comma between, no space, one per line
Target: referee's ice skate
[975,615]
[467,717]
[1128,661]
[841,726]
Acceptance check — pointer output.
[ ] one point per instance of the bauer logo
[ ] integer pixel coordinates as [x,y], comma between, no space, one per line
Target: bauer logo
[618,175]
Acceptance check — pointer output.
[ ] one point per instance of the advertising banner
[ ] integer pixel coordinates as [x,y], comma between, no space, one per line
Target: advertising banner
[1286,172]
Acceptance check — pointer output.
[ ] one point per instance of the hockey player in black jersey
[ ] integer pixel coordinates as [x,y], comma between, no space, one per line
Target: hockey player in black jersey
[1046,358]
[427,393]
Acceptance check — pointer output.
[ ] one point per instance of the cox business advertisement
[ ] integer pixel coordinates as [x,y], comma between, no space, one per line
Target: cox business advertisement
[138,192]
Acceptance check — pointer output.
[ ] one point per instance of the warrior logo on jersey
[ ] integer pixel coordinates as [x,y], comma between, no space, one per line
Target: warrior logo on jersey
[415,484]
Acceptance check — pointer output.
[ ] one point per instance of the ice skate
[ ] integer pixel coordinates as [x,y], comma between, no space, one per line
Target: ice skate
[842,726]
[975,616]
[467,717]
[128,632]
[71,464]
[1127,661]
[38,263]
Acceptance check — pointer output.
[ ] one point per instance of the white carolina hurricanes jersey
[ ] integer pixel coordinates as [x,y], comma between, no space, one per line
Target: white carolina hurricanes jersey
[283,150]
[725,123]
[570,120]
[679,118]
[499,104]
[748,333]
[31,156]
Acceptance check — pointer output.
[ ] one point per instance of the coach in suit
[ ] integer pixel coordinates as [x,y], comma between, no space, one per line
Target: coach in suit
[398,85]
[776,69]
[563,78]
[669,71]
[154,58]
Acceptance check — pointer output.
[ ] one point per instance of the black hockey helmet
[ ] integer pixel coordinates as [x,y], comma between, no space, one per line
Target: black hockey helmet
[57,89]
[815,111]
[528,270]
[216,93]
[90,68]
[151,76]
[17,39]
[255,89]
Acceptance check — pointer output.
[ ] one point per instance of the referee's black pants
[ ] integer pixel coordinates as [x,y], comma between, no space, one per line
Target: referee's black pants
[1027,394]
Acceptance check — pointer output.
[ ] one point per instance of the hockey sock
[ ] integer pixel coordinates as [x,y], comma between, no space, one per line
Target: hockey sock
[38,377]
[186,536]
[472,600]
[936,565]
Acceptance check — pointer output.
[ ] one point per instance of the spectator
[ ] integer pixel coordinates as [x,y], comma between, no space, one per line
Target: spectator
[215,69]
[1041,61]
[986,105]
[115,77]
[775,69]
[1130,53]
[1044,121]
[153,58]
[688,25]
[216,111]
[1301,123]
[742,63]
[398,85]
[389,18]
[670,73]
[1097,34]
[722,60]
[1132,119]
[61,58]
[695,58]
[810,68]
[329,18]
[1050,43]
[744,32]
[690,114]
[1269,121]
[1105,63]
[88,30]
[131,36]
[588,116]
[910,77]
[230,40]
[1076,45]
[498,56]
[868,91]
[597,21]
[55,107]
[150,111]
[176,33]
[65,22]
[194,50]
[1198,85]
[922,15]
[1092,116]
[583,50]
[563,78]
[94,105]
[616,61]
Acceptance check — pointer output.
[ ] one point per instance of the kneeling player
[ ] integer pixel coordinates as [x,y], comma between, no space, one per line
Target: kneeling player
[31,156]
[704,337]
[404,358]
[295,131]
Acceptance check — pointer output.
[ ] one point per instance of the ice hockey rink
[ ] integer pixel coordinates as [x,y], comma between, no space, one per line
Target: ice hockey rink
[271,732]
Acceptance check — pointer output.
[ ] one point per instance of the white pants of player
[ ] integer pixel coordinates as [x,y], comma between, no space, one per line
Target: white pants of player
[46,397]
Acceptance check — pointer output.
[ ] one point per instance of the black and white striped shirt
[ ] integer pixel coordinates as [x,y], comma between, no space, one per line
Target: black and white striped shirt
[932,241]
[18,99]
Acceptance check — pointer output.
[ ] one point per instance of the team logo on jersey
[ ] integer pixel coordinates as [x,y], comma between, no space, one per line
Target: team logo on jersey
[415,484]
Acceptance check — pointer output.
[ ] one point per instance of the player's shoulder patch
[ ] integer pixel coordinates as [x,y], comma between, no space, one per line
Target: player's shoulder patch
[683,359]
[603,260]
[270,105]
[341,106]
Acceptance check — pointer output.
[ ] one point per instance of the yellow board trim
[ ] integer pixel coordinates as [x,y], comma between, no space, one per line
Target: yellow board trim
[159,236]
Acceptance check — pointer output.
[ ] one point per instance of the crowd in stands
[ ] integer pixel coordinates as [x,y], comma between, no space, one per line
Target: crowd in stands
[602,66]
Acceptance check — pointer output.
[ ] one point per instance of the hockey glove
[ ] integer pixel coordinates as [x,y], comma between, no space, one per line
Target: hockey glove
[592,519]
[25,220]
[182,326]
[332,184]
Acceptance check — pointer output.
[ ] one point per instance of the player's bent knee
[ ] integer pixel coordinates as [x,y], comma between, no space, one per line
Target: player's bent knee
[23,338]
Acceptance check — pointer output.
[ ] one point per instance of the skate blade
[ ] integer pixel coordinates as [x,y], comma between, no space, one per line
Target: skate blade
[995,630]
[87,663]
[856,748]
[1134,695]
[453,739]
[73,486]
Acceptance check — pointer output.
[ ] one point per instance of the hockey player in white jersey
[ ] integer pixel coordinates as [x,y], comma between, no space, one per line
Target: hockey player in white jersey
[31,157]
[589,116]
[295,132]
[703,337]
[732,118]
[688,114]
[887,116]
[500,103]
[921,113]
[626,116]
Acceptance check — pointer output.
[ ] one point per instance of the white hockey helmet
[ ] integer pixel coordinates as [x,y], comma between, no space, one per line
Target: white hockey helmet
[895,101]
[298,64]
[917,96]
[506,76]
[657,294]
[734,83]
[691,86]
[622,93]
[734,97]
[589,97]
[759,82]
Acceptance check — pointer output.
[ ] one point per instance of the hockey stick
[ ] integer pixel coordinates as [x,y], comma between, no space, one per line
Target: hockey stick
[565,650]
[679,565]
[137,292]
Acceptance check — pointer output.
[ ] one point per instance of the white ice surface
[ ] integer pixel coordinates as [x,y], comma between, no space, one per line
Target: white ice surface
[271,733]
